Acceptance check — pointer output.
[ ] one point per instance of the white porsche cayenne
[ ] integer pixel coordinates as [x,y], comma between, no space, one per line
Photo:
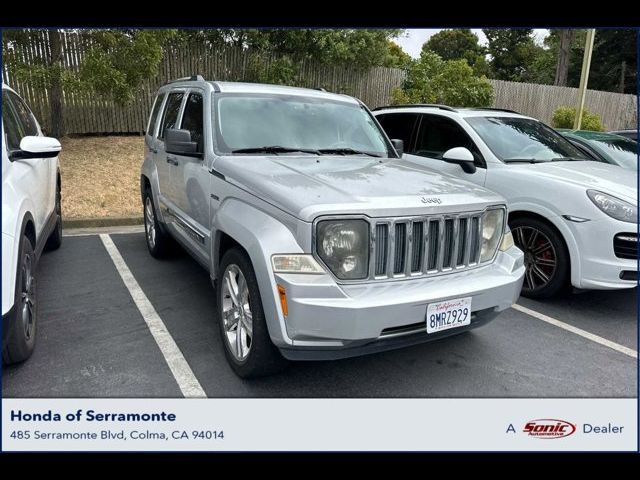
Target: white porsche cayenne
[575,219]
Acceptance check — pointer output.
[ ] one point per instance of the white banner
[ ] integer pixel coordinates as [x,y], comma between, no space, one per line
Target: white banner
[319,424]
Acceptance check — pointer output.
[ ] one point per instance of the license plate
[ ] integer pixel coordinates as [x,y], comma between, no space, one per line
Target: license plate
[448,314]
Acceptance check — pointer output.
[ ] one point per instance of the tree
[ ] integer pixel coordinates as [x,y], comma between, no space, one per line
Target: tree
[512,52]
[358,47]
[396,57]
[453,82]
[460,43]
[564,57]
[114,66]
[614,63]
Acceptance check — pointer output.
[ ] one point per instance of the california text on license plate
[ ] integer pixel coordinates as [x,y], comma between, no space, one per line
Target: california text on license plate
[448,314]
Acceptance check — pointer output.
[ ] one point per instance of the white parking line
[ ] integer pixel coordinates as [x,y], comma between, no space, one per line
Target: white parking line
[179,367]
[578,331]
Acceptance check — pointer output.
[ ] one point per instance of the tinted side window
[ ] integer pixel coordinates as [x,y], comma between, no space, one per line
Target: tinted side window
[192,119]
[171,112]
[439,134]
[12,127]
[399,125]
[25,117]
[154,114]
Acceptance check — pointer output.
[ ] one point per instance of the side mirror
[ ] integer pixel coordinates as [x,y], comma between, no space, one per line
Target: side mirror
[36,147]
[462,156]
[179,142]
[398,145]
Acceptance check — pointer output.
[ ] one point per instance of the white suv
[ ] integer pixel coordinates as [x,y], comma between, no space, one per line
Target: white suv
[31,220]
[576,220]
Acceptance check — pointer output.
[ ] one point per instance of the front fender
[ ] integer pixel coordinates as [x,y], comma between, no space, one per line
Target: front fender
[561,224]
[261,236]
[10,249]
[150,172]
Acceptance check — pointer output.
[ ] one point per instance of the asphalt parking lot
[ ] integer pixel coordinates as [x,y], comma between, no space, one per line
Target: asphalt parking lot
[94,342]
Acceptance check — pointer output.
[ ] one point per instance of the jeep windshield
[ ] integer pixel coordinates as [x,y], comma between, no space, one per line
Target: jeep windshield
[523,140]
[254,124]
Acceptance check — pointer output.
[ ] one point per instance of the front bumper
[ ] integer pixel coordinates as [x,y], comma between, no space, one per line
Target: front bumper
[598,267]
[327,320]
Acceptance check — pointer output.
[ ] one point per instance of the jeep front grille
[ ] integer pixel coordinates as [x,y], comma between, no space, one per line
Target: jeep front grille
[414,247]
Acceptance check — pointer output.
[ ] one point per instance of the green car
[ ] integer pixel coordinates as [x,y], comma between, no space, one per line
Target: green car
[605,147]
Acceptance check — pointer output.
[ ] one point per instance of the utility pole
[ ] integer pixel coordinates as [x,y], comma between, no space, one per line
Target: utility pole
[584,77]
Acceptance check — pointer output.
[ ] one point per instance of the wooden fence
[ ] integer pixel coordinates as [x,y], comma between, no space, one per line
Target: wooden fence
[617,110]
[87,114]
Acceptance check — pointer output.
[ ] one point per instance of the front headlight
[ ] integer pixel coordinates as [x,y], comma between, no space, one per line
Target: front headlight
[614,207]
[492,228]
[343,245]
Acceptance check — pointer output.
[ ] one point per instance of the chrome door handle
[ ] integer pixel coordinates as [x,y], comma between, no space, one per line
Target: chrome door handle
[172,160]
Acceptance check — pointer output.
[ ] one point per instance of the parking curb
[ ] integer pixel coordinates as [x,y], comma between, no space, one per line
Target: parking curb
[100,222]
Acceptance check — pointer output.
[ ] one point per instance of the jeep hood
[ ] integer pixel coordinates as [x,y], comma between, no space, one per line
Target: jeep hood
[607,178]
[308,186]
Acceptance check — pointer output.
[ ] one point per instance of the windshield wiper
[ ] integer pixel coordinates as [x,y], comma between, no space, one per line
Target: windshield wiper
[275,149]
[523,160]
[346,151]
[568,159]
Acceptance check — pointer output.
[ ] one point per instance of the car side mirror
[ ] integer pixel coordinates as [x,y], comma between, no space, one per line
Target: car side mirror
[178,141]
[461,156]
[398,145]
[33,146]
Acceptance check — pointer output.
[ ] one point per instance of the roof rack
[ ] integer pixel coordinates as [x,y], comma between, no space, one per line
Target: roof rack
[494,109]
[419,105]
[192,78]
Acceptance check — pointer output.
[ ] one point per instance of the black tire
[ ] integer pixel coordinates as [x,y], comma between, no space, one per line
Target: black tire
[263,358]
[55,239]
[159,243]
[19,336]
[542,245]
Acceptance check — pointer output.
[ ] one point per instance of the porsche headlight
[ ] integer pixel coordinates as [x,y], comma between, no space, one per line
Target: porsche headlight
[614,207]
[492,228]
[343,245]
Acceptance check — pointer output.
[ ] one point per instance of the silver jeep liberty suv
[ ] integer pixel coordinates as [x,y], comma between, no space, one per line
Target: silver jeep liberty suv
[322,243]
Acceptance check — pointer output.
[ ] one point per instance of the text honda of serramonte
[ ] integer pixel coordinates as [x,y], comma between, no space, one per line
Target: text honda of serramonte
[321,241]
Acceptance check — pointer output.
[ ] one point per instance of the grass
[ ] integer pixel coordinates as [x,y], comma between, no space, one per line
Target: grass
[101,176]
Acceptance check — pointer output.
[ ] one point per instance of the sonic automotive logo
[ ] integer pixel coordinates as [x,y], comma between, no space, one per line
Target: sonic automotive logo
[549,428]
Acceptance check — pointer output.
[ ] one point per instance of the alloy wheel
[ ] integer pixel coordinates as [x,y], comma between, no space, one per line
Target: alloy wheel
[540,256]
[28,296]
[150,222]
[236,312]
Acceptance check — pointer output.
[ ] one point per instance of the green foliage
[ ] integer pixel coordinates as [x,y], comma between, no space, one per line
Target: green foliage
[611,48]
[453,82]
[564,117]
[460,43]
[396,57]
[281,71]
[119,61]
[115,65]
[454,44]
[512,52]
[358,47]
